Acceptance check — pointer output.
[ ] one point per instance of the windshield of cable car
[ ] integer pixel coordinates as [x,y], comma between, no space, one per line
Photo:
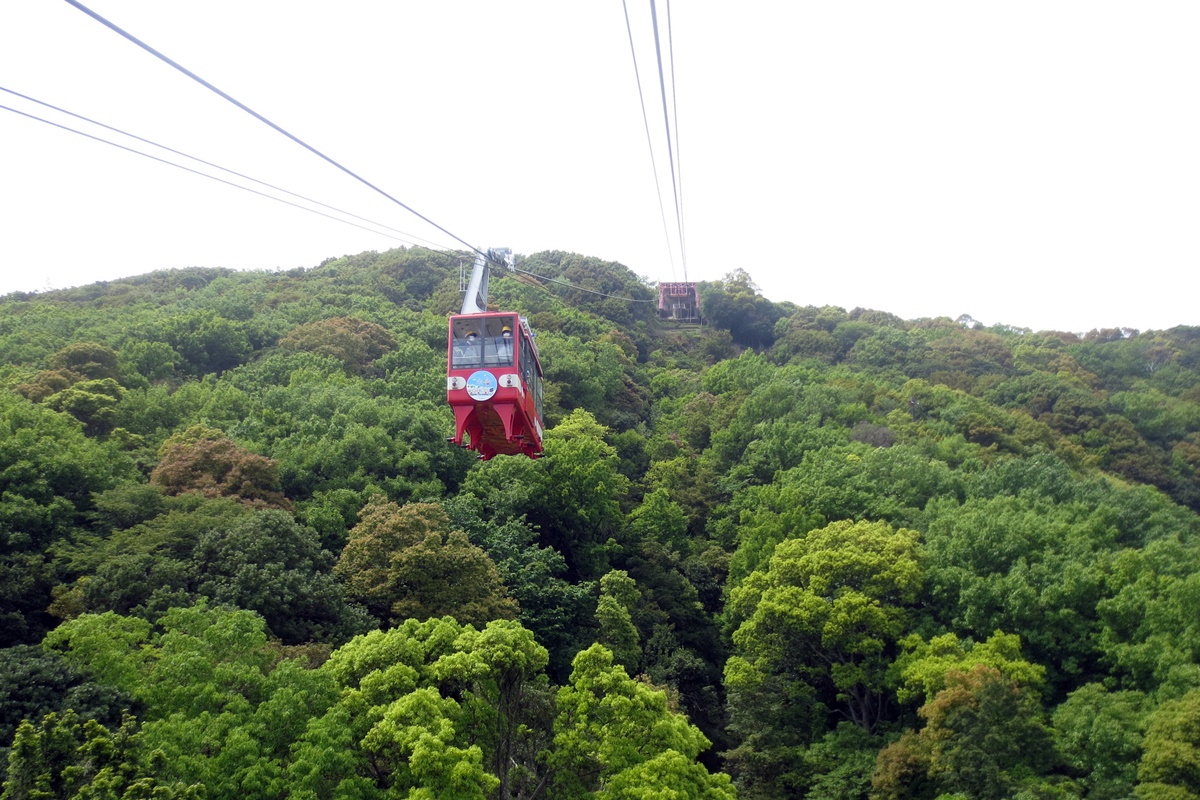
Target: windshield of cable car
[482,342]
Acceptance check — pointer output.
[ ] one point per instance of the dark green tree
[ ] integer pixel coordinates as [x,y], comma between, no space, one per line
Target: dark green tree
[735,304]
[267,563]
[1099,735]
[984,737]
[406,562]
[48,472]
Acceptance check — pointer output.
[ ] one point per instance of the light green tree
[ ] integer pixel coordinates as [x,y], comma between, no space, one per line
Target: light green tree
[922,667]
[63,757]
[615,737]
[1170,765]
[428,709]
[661,520]
[582,509]
[214,709]
[819,624]
[619,596]
[826,610]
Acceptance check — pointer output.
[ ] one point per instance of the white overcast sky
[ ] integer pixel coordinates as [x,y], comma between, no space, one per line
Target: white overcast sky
[1029,162]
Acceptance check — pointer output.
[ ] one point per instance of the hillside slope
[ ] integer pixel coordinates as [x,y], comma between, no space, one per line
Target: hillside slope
[843,554]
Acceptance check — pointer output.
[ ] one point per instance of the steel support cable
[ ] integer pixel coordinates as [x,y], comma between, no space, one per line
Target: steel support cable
[662,87]
[678,152]
[649,141]
[117,29]
[204,174]
[412,238]
[295,205]
[579,288]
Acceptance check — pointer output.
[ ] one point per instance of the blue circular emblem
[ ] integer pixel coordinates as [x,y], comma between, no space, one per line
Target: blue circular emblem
[481,385]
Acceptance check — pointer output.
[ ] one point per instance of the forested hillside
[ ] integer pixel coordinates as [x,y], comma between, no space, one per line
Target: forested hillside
[795,552]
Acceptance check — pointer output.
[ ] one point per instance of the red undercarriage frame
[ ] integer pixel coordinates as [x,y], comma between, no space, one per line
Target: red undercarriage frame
[494,428]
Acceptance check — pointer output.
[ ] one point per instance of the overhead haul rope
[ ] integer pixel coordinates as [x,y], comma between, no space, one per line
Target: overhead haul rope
[666,121]
[649,141]
[678,152]
[579,288]
[204,174]
[412,238]
[115,28]
[253,191]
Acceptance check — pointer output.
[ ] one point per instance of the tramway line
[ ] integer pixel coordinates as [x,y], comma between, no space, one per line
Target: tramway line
[493,373]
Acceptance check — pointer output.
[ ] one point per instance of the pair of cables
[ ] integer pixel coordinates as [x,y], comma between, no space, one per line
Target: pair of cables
[346,216]
[379,227]
[670,110]
[112,26]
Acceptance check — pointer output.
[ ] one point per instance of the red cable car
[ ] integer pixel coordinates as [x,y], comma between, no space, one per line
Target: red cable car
[494,377]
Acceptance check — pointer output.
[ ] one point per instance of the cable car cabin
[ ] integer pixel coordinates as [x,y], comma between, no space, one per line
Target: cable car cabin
[494,385]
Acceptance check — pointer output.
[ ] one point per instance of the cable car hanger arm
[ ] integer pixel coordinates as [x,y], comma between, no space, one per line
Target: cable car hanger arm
[475,300]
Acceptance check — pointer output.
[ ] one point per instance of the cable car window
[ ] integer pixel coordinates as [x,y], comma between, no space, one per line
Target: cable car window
[466,349]
[537,394]
[525,361]
[482,342]
[529,372]
[499,350]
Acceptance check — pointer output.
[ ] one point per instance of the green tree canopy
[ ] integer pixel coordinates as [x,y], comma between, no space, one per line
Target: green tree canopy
[205,461]
[984,737]
[616,738]
[354,342]
[405,561]
[816,630]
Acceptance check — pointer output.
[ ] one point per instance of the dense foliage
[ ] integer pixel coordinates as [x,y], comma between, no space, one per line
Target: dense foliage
[793,552]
